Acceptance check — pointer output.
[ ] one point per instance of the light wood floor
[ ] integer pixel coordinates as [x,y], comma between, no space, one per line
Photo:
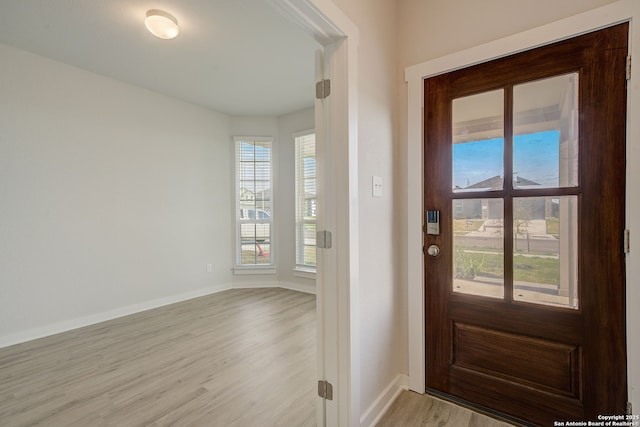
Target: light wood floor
[239,358]
[243,357]
[413,409]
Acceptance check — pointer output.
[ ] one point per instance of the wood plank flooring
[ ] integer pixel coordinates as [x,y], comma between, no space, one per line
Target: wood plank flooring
[239,358]
[243,357]
[421,410]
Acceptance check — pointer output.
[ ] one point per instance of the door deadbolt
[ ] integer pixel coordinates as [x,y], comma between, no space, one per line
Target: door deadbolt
[433,250]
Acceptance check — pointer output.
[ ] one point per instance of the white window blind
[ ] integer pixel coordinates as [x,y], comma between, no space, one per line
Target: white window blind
[254,201]
[306,200]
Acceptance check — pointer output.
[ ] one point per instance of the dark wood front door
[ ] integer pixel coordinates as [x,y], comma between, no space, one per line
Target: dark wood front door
[525,171]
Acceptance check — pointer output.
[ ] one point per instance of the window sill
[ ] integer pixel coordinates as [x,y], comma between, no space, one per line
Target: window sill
[307,273]
[254,270]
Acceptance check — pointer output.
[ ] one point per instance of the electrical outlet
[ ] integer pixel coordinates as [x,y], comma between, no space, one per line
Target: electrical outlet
[209,268]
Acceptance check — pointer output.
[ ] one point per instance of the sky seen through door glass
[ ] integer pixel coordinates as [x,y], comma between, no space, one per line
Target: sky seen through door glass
[536,158]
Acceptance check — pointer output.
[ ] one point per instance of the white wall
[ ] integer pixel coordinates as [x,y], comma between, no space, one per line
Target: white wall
[434,28]
[112,198]
[382,301]
[288,125]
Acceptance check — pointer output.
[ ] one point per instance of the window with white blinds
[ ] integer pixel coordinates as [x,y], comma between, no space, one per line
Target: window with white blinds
[254,201]
[306,200]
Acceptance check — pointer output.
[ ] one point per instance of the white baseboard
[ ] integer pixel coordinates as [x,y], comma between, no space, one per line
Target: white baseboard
[300,287]
[309,288]
[67,325]
[378,408]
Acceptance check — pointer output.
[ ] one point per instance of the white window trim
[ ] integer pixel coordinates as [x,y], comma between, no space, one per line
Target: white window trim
[253,270]
[305,273]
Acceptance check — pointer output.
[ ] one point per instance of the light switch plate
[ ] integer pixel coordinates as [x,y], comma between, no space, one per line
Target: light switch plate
[376,189]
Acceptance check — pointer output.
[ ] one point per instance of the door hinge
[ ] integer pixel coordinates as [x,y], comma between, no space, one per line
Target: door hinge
[323,239]
[325,389]
[323,89]
[627,244]
[629,409]
[628,67]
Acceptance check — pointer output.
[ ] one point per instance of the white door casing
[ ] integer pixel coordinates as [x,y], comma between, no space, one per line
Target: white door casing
[336,145]
[621,11]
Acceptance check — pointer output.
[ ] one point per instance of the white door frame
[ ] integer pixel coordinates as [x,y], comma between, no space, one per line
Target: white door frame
[337,156]
[620,11]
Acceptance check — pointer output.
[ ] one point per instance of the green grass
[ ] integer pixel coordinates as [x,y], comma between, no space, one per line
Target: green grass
[526,268]
[460,225]
[250,254]
[536,270]
[250,258]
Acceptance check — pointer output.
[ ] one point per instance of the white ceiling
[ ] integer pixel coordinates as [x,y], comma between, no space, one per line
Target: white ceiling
[239,57]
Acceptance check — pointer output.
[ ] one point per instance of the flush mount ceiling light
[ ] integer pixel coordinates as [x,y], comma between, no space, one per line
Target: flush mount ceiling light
[161,24]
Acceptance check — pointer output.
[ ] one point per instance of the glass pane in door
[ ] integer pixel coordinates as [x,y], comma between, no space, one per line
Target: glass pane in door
[478,248]
[478,142]
[545,124]
[545,248]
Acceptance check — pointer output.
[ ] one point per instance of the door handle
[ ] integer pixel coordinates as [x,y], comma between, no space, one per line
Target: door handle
[433,250]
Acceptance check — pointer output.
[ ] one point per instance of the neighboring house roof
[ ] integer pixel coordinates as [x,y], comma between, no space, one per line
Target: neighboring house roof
[496,182]
[260,195]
